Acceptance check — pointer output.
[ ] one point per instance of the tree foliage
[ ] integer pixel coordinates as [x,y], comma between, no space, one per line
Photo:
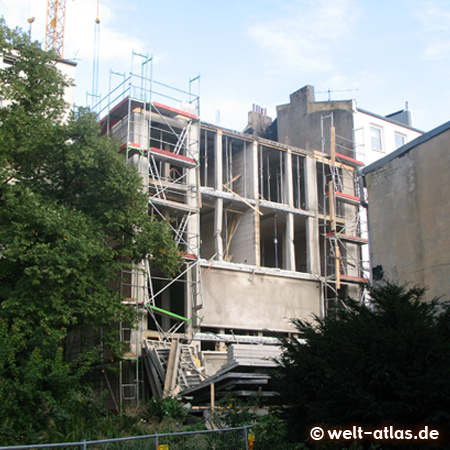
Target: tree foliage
[72,216]
[386,363]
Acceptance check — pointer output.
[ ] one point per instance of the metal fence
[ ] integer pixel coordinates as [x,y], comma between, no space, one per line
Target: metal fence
[224,439]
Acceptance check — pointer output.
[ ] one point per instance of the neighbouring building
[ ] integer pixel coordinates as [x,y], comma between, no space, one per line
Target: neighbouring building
[359,134]
[305,123]
[408,217]
[66,67]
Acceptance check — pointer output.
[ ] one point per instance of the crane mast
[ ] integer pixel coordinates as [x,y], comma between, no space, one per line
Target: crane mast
[54,30]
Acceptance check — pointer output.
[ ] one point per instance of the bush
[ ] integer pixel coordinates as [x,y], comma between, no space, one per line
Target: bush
[385,363]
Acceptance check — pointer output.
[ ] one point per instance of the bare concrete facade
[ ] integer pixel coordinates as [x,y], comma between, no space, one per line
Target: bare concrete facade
[300,122]
[408,213]
[268,231]
[259,233]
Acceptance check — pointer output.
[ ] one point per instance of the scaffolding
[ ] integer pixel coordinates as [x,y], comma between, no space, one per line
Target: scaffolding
[160,130]
[342,224]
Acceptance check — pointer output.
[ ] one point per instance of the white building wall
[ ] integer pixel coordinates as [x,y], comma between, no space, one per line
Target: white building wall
[363,121]
[362,132]
[67,68]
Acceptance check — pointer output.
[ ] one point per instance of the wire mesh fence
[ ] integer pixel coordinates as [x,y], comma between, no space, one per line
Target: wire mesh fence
[223,439]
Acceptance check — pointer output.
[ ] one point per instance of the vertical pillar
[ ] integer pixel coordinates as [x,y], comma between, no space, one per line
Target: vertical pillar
[192,196]
[218,164]
[218,185]
[218,221]
[312,223]
[288,181]
[193,225]
[254,194]
[252,177]
[289,245]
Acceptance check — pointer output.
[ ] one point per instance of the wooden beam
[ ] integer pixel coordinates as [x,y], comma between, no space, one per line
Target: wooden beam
[213,398]
[172,368]
[333,230]
[333,146]
[243,199]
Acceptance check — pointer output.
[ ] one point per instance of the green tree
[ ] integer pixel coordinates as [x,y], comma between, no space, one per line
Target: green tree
[385,363]
[72,216]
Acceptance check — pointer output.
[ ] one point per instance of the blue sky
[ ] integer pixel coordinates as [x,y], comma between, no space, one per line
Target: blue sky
[380,52]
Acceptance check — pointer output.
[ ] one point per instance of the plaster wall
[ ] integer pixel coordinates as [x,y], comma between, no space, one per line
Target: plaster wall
[246,299]
[409,217]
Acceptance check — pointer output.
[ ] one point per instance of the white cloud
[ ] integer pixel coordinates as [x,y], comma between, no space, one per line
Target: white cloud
[359,80]
[115,45]
[17,12]
[304,41]
[434,17]
[435,20]
[225,111]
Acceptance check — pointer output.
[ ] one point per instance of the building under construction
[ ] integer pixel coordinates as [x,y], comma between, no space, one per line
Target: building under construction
[268,232]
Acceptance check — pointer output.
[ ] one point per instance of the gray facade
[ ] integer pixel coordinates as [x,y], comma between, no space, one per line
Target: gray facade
[409,215]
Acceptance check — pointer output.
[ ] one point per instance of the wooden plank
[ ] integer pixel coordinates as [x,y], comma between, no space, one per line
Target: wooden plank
[332,213]
[350,279]
[157,363]
[348,238]
[172,368]
[347,198]
[333,146]
[213,397]
[172,204]
[349,159]
[151,372]
[173,158]
[177,111]
[243,199]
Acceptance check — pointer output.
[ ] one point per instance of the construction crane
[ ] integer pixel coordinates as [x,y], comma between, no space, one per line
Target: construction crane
[54,29]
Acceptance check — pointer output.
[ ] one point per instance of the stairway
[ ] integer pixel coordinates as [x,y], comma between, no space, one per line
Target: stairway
[171,369]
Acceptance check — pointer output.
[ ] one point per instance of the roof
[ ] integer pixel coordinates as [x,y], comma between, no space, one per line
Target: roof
[69,62]
[405,148]
[388,119]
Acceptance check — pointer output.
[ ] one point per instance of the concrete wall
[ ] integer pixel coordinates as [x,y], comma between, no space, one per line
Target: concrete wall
[242,299]
[207,235]
[245,244]
[299,122]
[409,216]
